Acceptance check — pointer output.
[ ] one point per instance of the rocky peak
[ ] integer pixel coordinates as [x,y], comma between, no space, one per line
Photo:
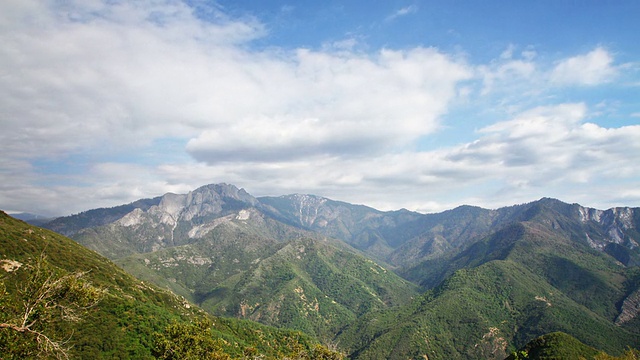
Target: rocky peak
[206,200]
[589,214]
[622,217]
[172,204]
[133,218]
[615,222]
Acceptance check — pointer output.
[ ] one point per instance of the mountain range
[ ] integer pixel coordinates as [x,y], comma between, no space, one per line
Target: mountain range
[464,283]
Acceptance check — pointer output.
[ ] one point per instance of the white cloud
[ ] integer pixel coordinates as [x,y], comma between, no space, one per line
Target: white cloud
[506,73]
[340,104]
[411,9]
[544,151]
[548,148]
[128,74]
[508,52]
[125,75]
[593,68]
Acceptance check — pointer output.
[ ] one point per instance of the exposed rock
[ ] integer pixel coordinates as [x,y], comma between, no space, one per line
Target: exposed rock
[630,308]
[616,222]
[135,217]
[10,265]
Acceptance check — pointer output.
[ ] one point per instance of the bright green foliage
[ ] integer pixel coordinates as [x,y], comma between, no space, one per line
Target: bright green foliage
[200,341]
[313,287]
[555,345]
[493,280]
[181,341]
[559,345]
[320,352]
[527,279]
[121,325]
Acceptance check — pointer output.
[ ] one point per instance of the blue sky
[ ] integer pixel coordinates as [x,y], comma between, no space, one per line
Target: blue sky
[424,105]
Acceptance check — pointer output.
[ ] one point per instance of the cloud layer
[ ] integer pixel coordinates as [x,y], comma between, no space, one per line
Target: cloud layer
[106,102]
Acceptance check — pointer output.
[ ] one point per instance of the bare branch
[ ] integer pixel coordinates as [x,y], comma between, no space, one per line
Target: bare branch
[49,296]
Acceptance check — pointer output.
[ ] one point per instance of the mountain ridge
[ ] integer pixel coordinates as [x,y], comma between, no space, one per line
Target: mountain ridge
[306,262]
[364,227]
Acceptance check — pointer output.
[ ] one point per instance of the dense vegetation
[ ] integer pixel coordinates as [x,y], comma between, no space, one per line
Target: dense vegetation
[556,345]
[303,284]
[479,313]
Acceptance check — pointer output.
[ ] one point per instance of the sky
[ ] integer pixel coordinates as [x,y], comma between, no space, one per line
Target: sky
[422,105]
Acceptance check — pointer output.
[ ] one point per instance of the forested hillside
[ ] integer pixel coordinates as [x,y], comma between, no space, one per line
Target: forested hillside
[60,299]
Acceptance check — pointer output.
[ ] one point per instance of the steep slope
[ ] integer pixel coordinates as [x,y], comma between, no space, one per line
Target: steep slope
[614,231]
[175,220]
[195,269]
[402,238]
[564,225]
[127,299]
[68,225]
[122,324]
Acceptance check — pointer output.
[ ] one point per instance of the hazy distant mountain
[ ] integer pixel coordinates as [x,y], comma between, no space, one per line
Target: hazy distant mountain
[33,219]
[68,225]
[613,232]
[492,280]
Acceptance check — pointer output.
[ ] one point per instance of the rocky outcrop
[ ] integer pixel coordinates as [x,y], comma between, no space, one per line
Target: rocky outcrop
[616,225]
[630,308]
